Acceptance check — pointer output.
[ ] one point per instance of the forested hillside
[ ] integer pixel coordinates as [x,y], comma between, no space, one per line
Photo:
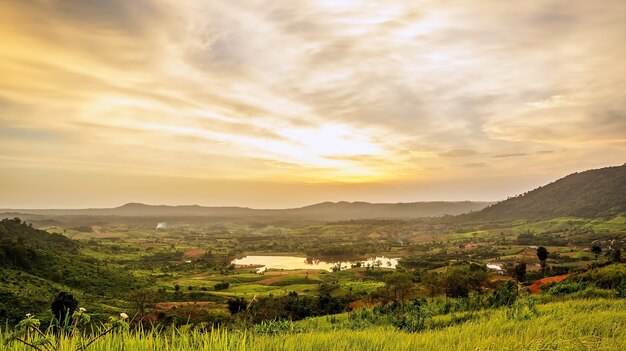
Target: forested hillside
[593,193]
[35,265]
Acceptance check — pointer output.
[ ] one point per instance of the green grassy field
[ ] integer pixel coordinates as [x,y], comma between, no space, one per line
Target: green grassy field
[595,324]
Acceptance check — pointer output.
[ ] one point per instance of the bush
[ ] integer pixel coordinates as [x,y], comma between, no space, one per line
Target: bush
[592,292]
[63,307]
[221,286]
[566,288]
[237,305]
[522,310]
[609,277]
[413,318]
[504,295]
[621,289]
[365,317]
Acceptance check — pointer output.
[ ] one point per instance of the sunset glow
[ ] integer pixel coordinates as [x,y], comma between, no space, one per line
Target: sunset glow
[280,104]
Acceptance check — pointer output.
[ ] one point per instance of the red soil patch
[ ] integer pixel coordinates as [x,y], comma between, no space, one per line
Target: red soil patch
[358,274]
[536,286]
[270,280]
[194,253]
[362,303]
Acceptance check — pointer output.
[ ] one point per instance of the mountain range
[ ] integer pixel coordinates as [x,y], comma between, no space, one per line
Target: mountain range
[592,193]
[323,211]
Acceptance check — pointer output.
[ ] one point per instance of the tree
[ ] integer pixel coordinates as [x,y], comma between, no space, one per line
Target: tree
[596,250]
[63,307]
[399,285]
[458,281]
[542,254]
[236,305]
[616,255]
[142,298]
[432,282]
[519,272]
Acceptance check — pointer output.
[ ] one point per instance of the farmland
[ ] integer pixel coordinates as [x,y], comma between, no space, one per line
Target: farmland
[180,266]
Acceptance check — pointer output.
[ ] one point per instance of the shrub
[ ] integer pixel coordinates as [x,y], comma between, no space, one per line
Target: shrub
[592,292]
[522,309]
[414,319]
[221,286]
[63,307]
[566,288]
[365,317]
[236,305]
[504,295]
[621,289]
[608,277]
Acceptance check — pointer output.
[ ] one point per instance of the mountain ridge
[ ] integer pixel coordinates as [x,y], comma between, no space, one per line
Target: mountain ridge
[342,210]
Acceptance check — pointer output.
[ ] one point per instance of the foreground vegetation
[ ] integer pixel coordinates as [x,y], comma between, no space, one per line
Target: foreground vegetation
[598,324]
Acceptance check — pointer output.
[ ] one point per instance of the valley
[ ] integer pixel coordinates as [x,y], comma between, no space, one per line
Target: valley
[308,274]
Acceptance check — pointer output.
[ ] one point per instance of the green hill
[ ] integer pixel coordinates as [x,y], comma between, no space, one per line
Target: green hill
[35,265]
[594,193]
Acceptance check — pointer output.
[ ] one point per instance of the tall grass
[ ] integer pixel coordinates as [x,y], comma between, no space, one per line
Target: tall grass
[598,324]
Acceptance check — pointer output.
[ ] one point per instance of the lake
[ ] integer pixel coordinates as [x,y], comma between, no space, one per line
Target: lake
[292,262]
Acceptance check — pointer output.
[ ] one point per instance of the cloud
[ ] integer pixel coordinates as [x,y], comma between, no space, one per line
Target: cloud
[458,153]
[323,91]
[475,165]
[510,155]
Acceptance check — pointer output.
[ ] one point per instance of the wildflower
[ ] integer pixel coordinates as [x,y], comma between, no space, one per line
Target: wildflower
[124,315]
[28,315]
[82,309]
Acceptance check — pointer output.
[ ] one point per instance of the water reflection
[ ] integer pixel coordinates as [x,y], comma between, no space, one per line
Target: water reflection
[293,262]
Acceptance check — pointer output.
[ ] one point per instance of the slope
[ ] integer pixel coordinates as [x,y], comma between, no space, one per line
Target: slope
[593,193]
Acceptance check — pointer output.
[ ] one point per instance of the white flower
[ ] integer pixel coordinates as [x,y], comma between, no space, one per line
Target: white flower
[82,309]
[124,315]
[28,315]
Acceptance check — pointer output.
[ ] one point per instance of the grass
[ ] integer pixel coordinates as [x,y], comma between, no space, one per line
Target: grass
[616,224]
[598,324]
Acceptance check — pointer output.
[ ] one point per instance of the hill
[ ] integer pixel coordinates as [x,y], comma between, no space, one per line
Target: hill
[593,193]
[35,265]
[326,211]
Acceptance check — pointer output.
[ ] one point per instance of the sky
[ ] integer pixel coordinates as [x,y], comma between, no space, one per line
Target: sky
[274,104]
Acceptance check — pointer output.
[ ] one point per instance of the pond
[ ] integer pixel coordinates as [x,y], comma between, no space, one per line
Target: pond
[292,262]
